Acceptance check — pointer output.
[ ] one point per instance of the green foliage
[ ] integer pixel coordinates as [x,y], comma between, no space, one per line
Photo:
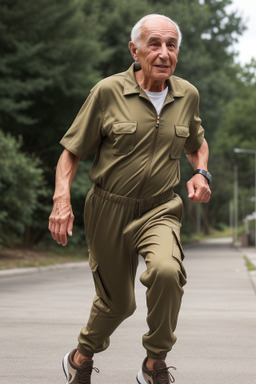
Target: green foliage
[48,51]
[22,188]
[236,131]
[116,18]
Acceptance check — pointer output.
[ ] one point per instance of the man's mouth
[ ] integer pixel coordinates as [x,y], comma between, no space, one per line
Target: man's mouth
[162,66]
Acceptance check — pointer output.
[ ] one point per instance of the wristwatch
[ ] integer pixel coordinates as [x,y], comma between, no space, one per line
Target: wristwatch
[206,174]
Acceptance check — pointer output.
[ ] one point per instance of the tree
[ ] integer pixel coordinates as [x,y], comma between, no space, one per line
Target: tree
[237,130]
[115,18]
[48,51]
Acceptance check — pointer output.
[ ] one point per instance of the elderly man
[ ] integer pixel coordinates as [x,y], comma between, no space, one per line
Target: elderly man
[137,122]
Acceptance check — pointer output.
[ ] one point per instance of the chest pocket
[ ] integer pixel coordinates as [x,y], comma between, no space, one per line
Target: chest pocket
[124,137]
[180,136]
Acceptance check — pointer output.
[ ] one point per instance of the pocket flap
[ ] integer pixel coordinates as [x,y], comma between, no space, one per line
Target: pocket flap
[125,127]
[178,247]
[181,131]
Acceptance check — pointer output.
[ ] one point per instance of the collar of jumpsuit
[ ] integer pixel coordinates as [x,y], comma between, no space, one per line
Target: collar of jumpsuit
[131,86]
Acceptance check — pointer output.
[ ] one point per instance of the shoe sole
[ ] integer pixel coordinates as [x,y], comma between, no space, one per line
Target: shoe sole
[140,378]
[65,367]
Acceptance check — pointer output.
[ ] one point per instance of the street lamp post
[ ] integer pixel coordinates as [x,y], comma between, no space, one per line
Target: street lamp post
[235,208]
[252,152]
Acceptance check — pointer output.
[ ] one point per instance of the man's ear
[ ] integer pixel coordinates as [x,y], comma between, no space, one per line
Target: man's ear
[133,50]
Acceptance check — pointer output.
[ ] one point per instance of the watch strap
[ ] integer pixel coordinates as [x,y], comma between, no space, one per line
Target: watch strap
[204,173]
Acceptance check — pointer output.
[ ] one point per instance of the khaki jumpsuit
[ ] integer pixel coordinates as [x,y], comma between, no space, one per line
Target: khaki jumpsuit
[132,209]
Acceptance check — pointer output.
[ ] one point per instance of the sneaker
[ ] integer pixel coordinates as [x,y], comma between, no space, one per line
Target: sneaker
[75,374]
[159,375]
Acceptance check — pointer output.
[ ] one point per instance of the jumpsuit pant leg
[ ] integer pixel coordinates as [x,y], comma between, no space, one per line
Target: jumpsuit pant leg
[164,278]
[113,262]
[115,236]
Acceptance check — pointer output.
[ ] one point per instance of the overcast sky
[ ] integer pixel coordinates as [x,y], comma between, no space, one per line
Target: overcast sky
[247,42]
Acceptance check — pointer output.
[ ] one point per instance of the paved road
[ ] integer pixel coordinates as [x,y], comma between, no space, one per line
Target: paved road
[41,314]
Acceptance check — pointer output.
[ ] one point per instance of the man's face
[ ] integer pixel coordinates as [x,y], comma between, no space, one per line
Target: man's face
[158,51]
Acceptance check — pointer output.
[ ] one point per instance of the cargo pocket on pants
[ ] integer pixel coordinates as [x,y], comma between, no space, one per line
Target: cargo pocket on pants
[99,286]
[179,256]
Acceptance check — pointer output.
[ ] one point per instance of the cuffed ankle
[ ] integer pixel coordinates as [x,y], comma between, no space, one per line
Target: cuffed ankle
[160,356]
[84,351]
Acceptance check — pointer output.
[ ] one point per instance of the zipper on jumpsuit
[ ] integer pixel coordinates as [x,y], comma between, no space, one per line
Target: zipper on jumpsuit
[151,155]
[152,150]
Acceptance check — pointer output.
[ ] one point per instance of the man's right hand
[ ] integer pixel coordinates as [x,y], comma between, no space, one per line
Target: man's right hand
[61,220]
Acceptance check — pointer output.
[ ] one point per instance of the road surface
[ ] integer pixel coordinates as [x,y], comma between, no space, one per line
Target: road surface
[41,314]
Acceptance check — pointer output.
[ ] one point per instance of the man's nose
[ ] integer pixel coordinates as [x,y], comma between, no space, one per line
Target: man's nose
[163,52]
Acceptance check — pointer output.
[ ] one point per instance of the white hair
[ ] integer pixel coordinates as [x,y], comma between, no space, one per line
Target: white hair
[136,30]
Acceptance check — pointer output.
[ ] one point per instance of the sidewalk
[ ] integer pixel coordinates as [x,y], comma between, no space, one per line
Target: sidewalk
[42,313]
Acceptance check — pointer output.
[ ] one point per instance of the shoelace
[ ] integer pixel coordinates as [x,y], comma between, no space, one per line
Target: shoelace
[163,376]
[84,375]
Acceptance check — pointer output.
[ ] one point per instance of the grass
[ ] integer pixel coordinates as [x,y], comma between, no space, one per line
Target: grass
[214,233]
[26,258]
[249,264]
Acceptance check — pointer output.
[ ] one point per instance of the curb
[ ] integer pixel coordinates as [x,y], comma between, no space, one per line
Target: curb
[251,255]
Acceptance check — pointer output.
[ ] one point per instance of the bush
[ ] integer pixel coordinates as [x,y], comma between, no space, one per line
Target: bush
[23,192]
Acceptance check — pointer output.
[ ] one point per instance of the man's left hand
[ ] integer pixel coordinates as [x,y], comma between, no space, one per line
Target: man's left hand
[198,189]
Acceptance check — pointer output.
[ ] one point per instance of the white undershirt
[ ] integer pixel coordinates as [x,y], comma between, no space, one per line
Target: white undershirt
[157,99]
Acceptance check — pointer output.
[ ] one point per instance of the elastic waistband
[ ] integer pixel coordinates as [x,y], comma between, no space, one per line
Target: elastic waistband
[142,205]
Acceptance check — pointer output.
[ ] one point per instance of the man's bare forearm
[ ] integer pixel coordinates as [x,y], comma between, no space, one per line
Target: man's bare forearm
[199,159]
[198,188]
[62,218]
[65,173]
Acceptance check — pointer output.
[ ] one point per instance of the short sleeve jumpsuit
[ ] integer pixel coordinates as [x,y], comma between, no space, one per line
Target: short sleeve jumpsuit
[132,209]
